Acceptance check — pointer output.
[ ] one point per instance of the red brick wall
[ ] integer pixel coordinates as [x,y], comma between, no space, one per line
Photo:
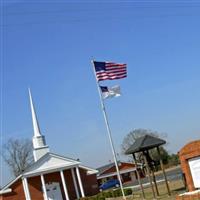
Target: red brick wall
[17,192]
[35,187]
[189,197]
[70,185]
[90,184]
[189,151]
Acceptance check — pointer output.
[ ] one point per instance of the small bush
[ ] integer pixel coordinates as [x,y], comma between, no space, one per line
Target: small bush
[117,193]
[108,194]
[128,191]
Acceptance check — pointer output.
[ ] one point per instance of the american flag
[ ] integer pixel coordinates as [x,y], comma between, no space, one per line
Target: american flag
[109,70]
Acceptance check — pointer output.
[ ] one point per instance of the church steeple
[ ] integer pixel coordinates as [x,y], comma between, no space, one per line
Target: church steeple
[36,127]
[39,145]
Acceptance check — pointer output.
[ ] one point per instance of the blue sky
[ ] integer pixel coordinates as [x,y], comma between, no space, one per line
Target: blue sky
[48,46]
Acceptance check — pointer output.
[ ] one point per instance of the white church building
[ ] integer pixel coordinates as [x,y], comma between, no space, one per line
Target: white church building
[51,176]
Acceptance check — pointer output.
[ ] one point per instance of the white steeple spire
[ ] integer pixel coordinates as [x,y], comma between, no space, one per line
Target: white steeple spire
[39,145]
[36,127]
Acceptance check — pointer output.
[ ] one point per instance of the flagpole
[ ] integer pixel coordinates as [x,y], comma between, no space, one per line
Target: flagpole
[109,132]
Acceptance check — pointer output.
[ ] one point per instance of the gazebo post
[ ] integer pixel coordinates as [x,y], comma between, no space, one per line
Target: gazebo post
[149,176]
[163,170]
[154,178]
[138,176]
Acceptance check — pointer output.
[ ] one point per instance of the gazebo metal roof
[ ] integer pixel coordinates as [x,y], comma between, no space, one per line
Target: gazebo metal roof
[144,143]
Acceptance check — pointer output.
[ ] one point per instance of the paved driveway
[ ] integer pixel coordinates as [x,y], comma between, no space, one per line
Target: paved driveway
[172,174]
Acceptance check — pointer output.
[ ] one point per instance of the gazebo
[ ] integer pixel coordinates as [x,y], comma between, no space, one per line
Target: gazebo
[143,145]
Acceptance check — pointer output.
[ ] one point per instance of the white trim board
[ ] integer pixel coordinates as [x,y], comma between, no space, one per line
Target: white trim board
[115,173]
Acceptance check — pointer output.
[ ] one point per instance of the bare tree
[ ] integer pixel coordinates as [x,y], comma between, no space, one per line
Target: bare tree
[130,138]
[17,153]
[136,133]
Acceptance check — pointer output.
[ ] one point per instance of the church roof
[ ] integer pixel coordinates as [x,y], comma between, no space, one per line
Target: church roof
[144,143]
[49,163]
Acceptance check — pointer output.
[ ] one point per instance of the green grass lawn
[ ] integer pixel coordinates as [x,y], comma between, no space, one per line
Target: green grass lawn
[176,187]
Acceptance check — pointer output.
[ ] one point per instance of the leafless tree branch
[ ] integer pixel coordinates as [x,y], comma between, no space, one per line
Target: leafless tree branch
[17,153]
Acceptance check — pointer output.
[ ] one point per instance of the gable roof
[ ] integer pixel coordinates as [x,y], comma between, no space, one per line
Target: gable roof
[105,167]
[144,143]
[50,162]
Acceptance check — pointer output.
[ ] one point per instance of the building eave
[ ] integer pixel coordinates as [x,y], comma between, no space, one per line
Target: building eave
[65,164]
[49,170]
[90,171]
[8,190]
[11,182]
[111,165]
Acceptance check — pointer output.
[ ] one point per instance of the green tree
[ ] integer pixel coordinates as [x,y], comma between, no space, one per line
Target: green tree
[173,160]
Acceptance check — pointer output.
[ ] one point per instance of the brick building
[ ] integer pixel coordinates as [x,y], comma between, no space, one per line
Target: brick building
[189,157]
[51,176]
[127,172]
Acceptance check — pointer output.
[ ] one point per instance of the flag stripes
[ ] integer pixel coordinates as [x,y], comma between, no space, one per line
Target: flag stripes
[110,77]
[110,70]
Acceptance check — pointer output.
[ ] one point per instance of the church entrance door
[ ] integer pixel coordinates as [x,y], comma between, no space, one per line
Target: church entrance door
[53,191]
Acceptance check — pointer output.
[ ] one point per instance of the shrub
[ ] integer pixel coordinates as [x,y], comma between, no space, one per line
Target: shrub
[128,191]
[108,194]
[117,193]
